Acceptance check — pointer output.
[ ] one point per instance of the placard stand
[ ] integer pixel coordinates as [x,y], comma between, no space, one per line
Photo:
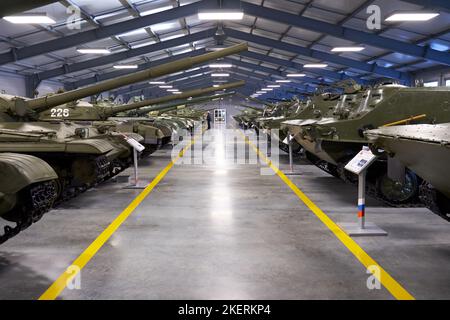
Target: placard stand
[291,171]
[136,147]
[359,165]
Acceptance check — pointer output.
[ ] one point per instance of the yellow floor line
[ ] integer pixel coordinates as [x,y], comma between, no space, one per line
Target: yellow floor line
[385,278]
[60,284]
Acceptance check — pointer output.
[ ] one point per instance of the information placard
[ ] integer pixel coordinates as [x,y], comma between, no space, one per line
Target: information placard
[361,161]
[136,145]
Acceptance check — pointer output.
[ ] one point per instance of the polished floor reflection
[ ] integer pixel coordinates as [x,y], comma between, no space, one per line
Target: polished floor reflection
[222,230]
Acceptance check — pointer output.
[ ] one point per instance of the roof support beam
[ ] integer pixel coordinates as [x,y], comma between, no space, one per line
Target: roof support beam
[298,67]
[347,33]
[324,56]
[118,73]
[123,55]
[270,71]
[99,33]
[438,4]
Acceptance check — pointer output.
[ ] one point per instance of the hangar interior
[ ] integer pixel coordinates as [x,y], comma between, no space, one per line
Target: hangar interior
[250,113]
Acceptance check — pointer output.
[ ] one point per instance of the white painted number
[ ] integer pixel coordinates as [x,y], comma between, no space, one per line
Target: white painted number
[59,113]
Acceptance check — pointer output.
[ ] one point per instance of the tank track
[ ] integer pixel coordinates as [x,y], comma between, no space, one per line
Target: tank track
[434,201]
[33,203]
[102,168]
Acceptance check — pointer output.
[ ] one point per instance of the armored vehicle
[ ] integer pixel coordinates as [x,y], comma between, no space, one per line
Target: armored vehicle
[335,141]
[424,149]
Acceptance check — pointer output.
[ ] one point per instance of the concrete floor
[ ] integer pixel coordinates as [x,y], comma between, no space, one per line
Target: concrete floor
[227,232]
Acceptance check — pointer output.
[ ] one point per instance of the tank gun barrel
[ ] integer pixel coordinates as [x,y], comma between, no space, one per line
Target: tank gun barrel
[184,95]
[174,105]
[251,107]
[50,101]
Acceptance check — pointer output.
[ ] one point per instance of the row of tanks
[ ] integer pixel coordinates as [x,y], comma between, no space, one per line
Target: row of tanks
[56,146]
[406,127]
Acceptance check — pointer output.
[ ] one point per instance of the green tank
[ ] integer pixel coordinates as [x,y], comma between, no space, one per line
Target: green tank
[334,141]
[432,143]
[246,119]
[154,135]
[81,153]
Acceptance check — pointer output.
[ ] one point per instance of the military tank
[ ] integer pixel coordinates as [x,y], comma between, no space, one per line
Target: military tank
[155,135]
[432,143]
[246,119]
[81,153]
[335,141]
[177,126]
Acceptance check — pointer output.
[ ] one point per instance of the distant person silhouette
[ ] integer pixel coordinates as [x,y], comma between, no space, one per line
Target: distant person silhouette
[208,119]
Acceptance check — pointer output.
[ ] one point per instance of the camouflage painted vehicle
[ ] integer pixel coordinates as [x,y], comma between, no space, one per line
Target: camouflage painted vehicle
[333,142]
[432,143]
[246,119]
[322,107]
[27,197]
[80,153]
[274,120]
[178,127]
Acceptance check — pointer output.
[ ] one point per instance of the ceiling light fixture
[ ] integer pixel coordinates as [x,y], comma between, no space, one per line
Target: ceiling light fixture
[347,49]
[221,14]
[93,51]
[283,81]
[274,86]
[296,75]
[220,74]
[30,18]
[126,66]
[315,65]
[166,87]
[412,16]
[156,82]
[220,65]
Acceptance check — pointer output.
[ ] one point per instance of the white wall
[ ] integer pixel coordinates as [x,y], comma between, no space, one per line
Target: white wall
[441,75]
[14,84]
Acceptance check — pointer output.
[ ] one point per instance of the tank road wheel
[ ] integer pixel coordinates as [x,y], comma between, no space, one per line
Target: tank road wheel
[396,192]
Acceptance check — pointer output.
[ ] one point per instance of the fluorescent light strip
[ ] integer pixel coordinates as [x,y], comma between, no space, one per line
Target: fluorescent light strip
[166,87]
[347,49]
[296,75]
[283,81]
[315,65]
[126,66]
[220,65]
[173,90]
[412,16]
[220,15]
[156,82]
[220,74]
[40,18]
[93,51]
[274,86]
[266,89]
